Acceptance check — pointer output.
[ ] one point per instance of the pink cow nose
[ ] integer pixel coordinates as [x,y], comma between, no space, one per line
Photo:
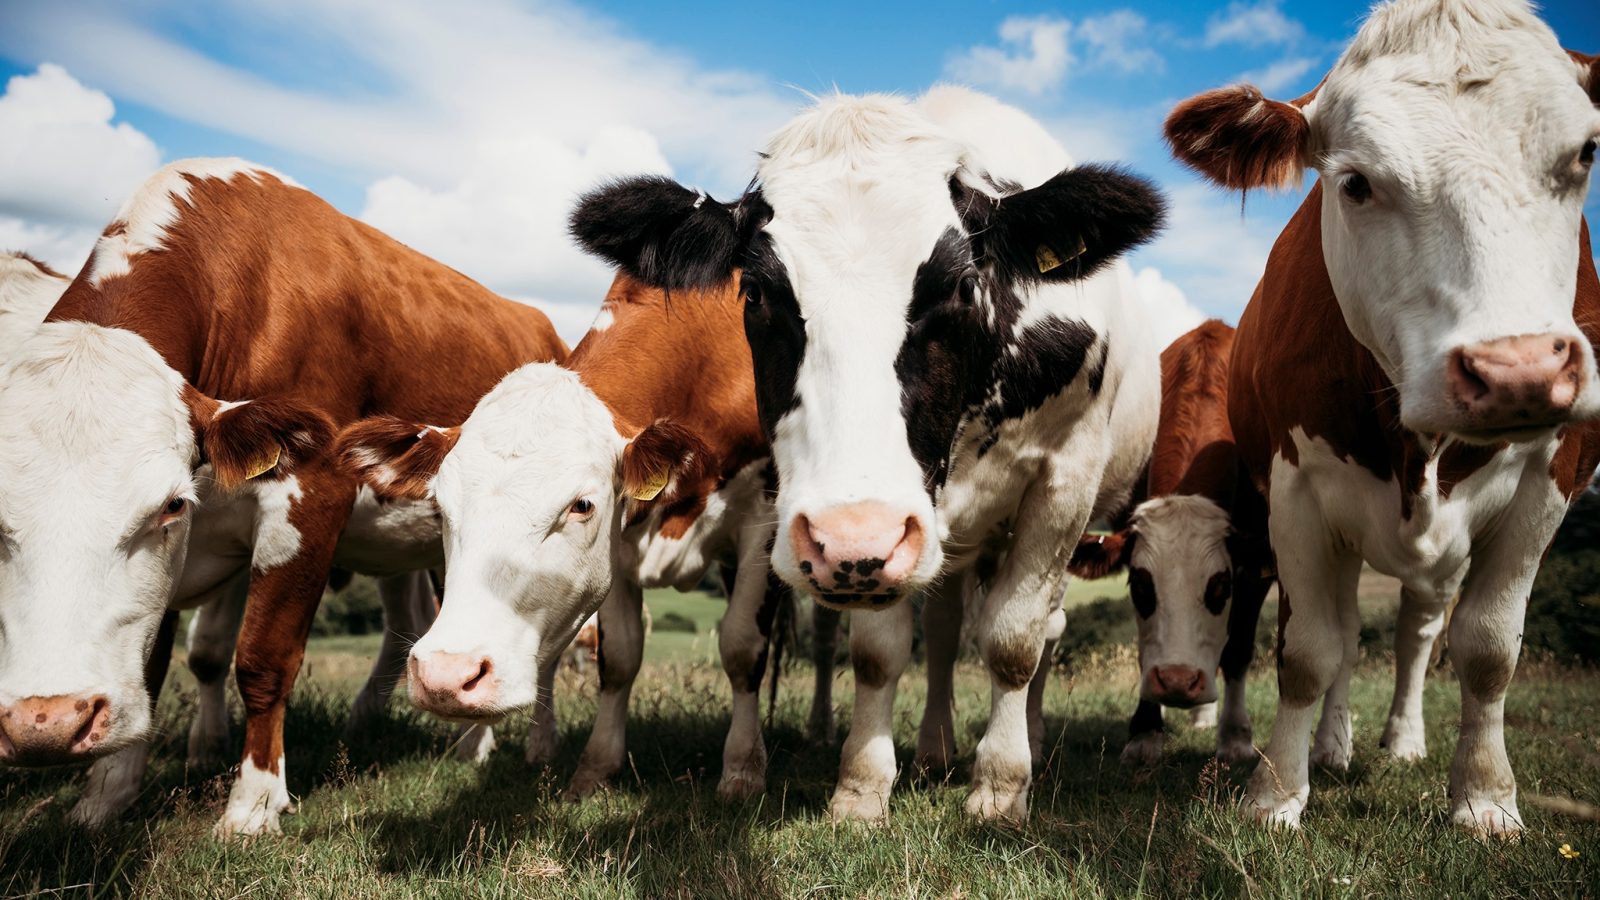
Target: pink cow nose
[454,685]
[858,550]
[1524,381]
[44,731]
[1180,686]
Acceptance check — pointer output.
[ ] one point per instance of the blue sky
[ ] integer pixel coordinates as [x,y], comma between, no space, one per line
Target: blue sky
[465,128]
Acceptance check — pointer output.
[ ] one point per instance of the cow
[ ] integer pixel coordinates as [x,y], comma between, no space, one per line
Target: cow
[28,288]
[954,376]
[638,463]
[1413,382]
[169,427]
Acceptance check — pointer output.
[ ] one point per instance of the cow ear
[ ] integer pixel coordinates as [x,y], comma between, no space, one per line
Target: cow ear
[398,460]
[658,231]
[1068,227]
[264,438]
[661,461]
[1241,140]
[1101,556]
[1588,73]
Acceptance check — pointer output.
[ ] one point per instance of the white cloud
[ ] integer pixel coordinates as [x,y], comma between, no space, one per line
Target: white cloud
[1252,24]
[1281,75]
[1213,251]
[65,247]
[1116,40]
[1169,312]
[1032,57]
[62,160]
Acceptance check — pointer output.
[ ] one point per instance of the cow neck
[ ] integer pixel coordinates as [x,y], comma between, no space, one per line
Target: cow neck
[1194,452]
[682,358]
[155,300]
[1309,371]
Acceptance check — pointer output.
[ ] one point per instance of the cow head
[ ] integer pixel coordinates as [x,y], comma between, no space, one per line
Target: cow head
[104,458]
[1180,579]
[533,490]
[1454,143]
[883,271]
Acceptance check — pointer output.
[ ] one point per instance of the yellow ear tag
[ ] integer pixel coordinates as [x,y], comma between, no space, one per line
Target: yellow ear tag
[650,489]
[264,465]
[1050,260]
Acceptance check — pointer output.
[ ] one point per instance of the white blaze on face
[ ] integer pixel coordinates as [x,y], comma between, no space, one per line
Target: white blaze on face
[97,441]
[525,566]
[1448,140]
[1180,546]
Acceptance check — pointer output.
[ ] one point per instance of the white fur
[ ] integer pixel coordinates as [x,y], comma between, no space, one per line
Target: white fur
[26,296]
[1466,118]
[257,799]
[1182,542]
[851,257]
[142,222]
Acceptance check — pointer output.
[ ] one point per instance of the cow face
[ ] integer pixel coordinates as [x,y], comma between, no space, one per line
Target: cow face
[98,493]
[1180,581]
[1454,145]
[884,277]
[533,490]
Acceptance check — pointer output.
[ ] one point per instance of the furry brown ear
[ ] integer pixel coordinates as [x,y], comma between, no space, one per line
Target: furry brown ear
[1588,73]
[661,460]
[1239,139]
[256,438]
[1101,555]
[397,459]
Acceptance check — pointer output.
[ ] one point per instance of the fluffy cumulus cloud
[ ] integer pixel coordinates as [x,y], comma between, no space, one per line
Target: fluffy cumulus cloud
[1037,53]
[65,165]
[1170,312]
[1253,25]
[1219,250]
[1281,75]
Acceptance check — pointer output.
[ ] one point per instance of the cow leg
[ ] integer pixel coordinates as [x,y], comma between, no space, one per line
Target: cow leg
[1419,624]
[880,648]
[824,639]
[942,610]
[114,780]
[1316,579]
[1335,734]
[213,632]
[1147,736]
[621,650]
[1235,739]
[407,599]
[743,640]
[542,735]
[1057,624]
[312,505]
[1203,716]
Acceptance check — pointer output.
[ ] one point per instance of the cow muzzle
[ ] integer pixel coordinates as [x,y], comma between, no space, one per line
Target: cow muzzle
[858,555]
[1509,384]
[456,686]
[1179,686]
[46,731]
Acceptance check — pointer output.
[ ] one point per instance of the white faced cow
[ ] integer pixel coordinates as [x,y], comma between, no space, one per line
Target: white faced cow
[1408,378]
[946,361]
[28,288]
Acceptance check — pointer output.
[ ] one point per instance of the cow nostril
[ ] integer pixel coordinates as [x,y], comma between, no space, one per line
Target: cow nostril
[1560,345]
[1470,384]
[484,670]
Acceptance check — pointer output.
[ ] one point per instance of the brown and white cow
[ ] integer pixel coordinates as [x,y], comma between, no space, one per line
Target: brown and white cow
[1410,378]
[169,427]
[640,463]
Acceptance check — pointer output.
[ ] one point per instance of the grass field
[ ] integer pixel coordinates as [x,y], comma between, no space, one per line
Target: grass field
[393,815]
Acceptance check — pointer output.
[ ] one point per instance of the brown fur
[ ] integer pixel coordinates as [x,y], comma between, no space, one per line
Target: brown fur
[1592,63]
[664,448]
[397,459]
[238,441]
[1101,555]
[41,265]
[1239,139]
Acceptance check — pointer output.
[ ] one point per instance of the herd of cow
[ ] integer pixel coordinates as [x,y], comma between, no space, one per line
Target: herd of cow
[906,361]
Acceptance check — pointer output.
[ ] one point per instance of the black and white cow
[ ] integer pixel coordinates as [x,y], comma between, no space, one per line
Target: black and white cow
[950,369]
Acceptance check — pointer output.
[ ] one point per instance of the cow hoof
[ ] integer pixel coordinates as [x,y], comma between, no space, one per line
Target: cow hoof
[1404,743]
[1203,716]
[1233,749]
[849,805]
[1143,751]
[1275,812]
[739,786]
[989,804]
[1488,819]
[475,744]
[585,783]
[1336,758]
[933,758]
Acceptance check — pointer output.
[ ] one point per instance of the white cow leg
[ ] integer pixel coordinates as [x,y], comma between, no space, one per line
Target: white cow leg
[743,645]
[1234,743]
[941,638]
[543,738]
[1313,578]
[1419,624]
[824,638]
[1335,732]
[1147,736]
[880,647]
[1203,717]
[213,633]
[1041,680]
[621,651]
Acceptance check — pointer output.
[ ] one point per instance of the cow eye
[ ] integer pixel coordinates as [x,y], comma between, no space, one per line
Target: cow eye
[174,506]
[1586,155]
[752,292]
[968,290]
[580,509]
[1142,590]
[1356,188]
[1218,590]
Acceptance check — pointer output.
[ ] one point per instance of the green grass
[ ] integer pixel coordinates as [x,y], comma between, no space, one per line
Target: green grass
[394,816]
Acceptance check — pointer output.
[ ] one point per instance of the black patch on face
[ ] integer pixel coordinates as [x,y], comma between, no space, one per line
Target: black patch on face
[1142,589]
[1218,590]
[774,327]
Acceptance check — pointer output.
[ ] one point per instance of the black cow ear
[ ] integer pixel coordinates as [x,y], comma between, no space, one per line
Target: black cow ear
[658,231]
[1072,225]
